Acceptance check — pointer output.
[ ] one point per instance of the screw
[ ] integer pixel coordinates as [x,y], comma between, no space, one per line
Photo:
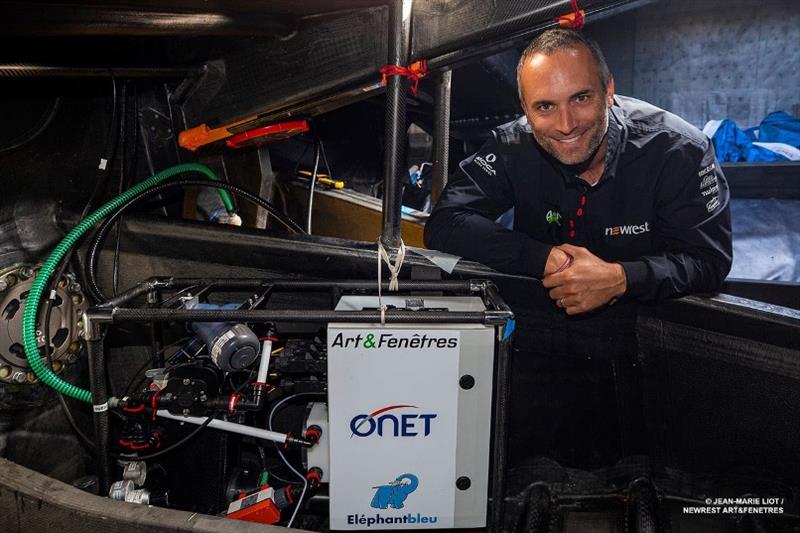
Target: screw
[57,366]
[203,398]
[74,346]
[5,372]
[26,272]
[3,284]
[62,283]
[187,381]
[30,376]
[80,324]
[76,299]
[466,382]
[11,279]
[19,377]
[185,412]
[463,483]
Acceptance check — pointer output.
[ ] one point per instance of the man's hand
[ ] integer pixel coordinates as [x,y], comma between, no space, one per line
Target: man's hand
[587,284]
[557,260]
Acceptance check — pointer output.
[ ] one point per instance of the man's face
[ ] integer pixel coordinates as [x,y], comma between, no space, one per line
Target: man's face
[566,103]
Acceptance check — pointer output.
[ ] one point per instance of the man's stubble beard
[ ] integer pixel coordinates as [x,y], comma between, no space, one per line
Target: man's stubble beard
[594,142]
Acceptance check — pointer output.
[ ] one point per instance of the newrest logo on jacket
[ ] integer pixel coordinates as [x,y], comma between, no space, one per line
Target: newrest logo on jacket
[630,229]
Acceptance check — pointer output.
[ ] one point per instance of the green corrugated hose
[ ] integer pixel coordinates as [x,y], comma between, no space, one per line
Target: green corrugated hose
[35,361]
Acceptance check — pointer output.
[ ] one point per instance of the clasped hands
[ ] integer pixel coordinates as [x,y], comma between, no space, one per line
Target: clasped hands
[586,284]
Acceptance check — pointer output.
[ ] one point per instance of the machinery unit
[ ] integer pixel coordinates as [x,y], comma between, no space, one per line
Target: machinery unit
[381,413]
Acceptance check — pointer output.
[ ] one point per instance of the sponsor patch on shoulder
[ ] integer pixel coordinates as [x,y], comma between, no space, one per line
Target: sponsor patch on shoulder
[485,162]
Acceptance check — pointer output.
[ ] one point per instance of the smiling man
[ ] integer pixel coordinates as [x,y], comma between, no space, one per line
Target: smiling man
[612,197]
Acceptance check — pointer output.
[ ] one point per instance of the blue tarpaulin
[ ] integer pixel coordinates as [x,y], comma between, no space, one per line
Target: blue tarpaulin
[734,144]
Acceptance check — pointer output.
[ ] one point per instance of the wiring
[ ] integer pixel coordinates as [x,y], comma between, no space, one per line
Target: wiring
[51,114]
[317,150]
[176,445]
[93,251]
[283,457]
[105,168]
[325,160]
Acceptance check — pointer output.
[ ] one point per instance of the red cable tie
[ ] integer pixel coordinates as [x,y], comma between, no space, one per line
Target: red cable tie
[574,20]
[137,409]
[414,72]
[154,403]
[271,339]
[233,402]
[566,264]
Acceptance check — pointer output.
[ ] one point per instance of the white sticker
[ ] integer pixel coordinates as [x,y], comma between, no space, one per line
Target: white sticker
[103,164]
[216,350]
[100,408]
[391,445]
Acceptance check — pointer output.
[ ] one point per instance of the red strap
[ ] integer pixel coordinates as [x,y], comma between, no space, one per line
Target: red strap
[414,72]
[574,20]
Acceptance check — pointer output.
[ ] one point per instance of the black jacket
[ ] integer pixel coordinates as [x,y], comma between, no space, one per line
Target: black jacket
[660,209]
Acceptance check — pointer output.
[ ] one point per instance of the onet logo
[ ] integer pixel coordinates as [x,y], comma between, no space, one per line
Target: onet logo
[553,217]
[630,229]
[384,423]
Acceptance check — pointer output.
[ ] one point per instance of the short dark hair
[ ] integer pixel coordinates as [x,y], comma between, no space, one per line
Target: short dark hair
[558,39]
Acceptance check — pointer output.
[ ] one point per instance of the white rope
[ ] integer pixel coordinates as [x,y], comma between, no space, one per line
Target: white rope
[394,269]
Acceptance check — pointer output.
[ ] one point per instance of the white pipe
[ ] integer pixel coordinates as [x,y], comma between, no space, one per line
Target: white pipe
[241,429]
[263,365]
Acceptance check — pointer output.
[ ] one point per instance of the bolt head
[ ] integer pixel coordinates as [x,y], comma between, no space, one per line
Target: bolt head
[463,483]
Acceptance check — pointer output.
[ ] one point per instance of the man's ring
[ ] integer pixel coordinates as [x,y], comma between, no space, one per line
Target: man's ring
[561,303]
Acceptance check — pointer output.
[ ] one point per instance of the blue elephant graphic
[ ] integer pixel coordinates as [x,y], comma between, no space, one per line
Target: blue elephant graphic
[394,494]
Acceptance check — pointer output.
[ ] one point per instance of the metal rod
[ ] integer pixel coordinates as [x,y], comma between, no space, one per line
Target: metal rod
[97,379]
[394,157]
[441,134]
[500,434]
[302,315]
[231,427]
[60,71]
[466,286]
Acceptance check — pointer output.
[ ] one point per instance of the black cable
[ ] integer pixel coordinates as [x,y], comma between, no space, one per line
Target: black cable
[48,305]
[171,447]
[325,160]
[94,248]
[313,184]
[39,131]
[122,128]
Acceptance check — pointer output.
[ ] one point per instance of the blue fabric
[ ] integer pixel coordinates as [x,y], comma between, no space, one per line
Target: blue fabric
[733,144]
[780,127]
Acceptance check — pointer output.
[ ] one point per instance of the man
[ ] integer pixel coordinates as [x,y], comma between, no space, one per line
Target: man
[612,197]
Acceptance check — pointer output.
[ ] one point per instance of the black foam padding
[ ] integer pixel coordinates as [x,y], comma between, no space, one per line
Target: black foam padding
[720,404]
[326,53]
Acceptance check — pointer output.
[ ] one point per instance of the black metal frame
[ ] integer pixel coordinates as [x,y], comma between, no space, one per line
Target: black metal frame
[118,310]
